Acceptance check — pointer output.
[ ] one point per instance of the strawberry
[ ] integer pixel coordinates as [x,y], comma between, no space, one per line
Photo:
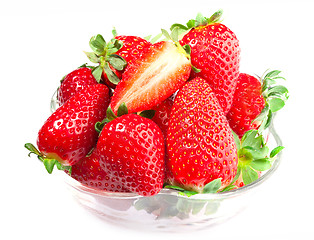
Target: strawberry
[131,150]
[109,64]
[162,115]
[153,78]
[112,57]
[134,47]
[254,102]
[200,143]
[88,172]
[215,52]
[74,82]
[69,133]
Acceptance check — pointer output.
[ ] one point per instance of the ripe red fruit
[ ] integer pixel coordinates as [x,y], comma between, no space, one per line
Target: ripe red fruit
[131,149]
[200,143]
[153,78]
[248,103]
[69,133]
[134,47]
[75,82]
[89,173]
[215,52]
[162,115]
[255,101]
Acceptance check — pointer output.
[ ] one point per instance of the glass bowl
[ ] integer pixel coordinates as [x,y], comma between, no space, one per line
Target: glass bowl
[168,210]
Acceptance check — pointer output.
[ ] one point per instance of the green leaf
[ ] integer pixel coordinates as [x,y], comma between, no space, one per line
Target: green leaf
[191,24]
[187,49]
[112,77]
[117,62]
[32,149]
[147,114]
[249,175]
[180,26]
[200,20]
[49,164]
[278,89]
[100,125]
[256,153]
[266,122]
[174,187]
[166,34]
[92,57]
[182,192]
[213,186]
[156,38]
[276,104]
[272,74]
[97,44]
[236,140]
[97,73]
[229,188]
[261,164]
[110,114]
[275,151]
[122,110]
[196,70]
[216,17]
[263,114]
[251,139]
[175,34]
[114,32]
[187,193]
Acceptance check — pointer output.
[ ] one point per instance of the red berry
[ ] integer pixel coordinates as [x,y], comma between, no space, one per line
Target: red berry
[69,133]
[200,143]
[215,51]
[75,82]
[162,115]
[248,103]
[88,172]
[131,149]
[133,48]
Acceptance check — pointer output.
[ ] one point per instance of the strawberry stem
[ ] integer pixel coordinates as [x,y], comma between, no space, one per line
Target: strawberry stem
[49,163]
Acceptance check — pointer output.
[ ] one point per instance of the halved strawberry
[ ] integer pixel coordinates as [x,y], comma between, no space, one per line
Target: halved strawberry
[152,78]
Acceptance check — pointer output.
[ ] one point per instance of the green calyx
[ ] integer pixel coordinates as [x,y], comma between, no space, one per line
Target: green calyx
[275,96]
[122,110]
[253,156]
[200,20]
[211,187]
[103,54]
[49,163]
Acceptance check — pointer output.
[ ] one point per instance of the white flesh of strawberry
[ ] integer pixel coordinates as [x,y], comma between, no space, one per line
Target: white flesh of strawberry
[153,80]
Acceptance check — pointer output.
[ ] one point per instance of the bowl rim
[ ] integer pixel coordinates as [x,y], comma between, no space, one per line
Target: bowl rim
[203,196]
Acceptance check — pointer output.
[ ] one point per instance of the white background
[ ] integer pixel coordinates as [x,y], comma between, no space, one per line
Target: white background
[42,41]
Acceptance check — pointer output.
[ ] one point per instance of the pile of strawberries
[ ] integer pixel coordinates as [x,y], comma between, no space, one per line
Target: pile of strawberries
[173,113]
